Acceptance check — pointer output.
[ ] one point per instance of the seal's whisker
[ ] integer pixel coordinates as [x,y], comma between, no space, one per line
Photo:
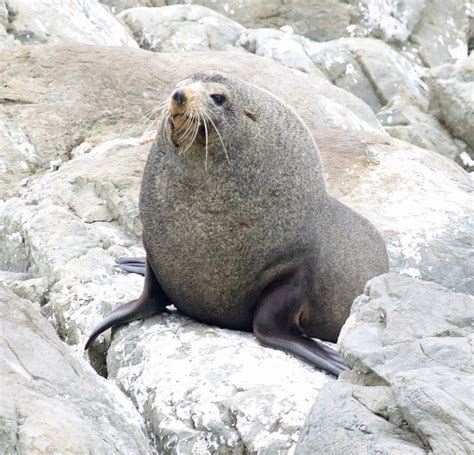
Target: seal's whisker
[189,127]
[206,113]
[162,120]
[145,117]
[206,134]
[189,115]
[193,136]
[157,122]
[142,122]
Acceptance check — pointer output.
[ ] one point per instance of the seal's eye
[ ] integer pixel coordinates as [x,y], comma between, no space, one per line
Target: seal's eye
[218,99]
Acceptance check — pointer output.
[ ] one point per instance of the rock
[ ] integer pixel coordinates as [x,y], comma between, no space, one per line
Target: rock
[119,5]
[212,390]
[392,22]
[95,217]
[82,21]
[428,32]
[409,123]
[371,70]
[283,47]
[368,68]
[425,219]
[452,98]
[319,20]
[470,14]
[339,420]
[414,340]
[57,98]
[52,400]
[6,40]
[441,33]
[181,28]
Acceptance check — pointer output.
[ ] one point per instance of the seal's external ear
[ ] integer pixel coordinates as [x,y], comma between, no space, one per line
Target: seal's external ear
[250,115]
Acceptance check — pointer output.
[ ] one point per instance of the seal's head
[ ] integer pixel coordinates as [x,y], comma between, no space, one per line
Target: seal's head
[200,109]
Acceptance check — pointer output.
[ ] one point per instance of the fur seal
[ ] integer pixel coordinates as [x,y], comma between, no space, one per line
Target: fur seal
[238,228]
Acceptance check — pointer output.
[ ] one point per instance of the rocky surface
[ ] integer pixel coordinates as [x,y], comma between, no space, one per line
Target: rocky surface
[52,400]
[76,122]
[44,21]
[210,389]
[410,392]
[453,98]
[426,220]
[181,28]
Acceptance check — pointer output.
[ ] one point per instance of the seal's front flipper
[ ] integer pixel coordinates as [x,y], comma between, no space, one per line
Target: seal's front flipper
[152,301]
[276,324]
[132,265]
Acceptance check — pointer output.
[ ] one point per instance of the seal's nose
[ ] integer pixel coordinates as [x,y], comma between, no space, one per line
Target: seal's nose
[179,97]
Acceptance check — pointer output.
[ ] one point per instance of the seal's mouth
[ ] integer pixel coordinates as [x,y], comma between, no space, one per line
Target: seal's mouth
[186,130]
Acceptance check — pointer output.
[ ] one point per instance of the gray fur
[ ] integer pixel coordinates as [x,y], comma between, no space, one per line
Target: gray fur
[216,238]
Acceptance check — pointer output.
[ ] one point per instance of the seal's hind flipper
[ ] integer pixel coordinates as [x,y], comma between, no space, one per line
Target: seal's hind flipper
[276,323]
[152,301]
[132,265]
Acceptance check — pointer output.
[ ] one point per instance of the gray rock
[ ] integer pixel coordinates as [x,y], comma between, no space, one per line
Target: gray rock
[6,39]
[452,98]
[441,32]
[319,20]
[426,220]
[470,14]
[412,339]
[371,70]
[392,22]
[119,5]
[52,400]
[428,32]
[43,21]
[409,123]
[340,422]
[181,28]
[368,68]
[210,390]
[281,46]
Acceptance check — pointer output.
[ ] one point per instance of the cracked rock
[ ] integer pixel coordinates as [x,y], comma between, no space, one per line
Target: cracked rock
[52,400]
[410,391]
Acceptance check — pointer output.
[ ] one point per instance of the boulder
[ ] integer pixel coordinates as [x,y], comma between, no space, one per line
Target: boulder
[430,33]
[366,67]
[52,400]
[181,28]
[441,34]
[6,40]
[282,46]
[341,420]
[43,21]
[409,123]
[210,390]
[452,98]
[366,63]
[419,200]
[319,20]
[409,344]
[119,5]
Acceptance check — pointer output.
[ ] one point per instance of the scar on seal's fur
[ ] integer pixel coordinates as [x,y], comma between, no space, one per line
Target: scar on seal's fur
[238,228]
